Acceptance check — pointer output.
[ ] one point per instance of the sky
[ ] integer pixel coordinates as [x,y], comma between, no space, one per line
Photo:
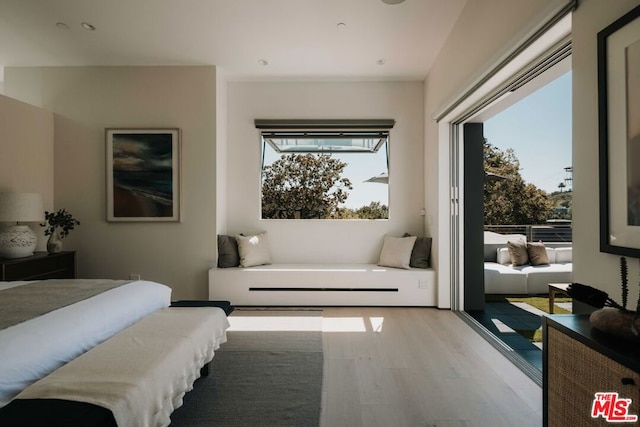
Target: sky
[360,167]
[538,128]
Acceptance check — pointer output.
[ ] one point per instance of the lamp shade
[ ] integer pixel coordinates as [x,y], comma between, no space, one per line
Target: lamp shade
[21,207]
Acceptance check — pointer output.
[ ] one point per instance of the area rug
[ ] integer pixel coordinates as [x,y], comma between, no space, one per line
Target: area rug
[259,378]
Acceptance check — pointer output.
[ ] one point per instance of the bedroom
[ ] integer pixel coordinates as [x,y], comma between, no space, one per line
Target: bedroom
[67,163]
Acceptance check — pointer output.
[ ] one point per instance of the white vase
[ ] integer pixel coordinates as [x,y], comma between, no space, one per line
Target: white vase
[54,244]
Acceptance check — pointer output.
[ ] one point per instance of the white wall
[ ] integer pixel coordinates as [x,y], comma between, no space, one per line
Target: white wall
[483,35]
[592,267]
[221,151]
[86,100]
[325,240]
[26,153]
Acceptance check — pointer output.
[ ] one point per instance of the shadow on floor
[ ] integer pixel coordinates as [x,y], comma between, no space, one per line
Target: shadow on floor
[502,319]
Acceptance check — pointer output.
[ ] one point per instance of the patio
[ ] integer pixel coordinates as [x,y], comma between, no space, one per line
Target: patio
[508,320]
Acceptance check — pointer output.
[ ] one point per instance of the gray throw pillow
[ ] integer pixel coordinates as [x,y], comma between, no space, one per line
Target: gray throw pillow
[228,255]
[421,252]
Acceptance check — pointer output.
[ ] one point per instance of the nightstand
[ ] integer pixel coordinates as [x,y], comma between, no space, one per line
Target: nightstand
[39,266]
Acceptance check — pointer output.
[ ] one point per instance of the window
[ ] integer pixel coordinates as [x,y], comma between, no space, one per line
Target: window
[319,169]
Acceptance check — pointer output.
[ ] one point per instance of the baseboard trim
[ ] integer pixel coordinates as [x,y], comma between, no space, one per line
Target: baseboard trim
[520,362]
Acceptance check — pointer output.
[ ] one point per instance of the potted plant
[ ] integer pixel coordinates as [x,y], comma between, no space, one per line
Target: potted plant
[58,225]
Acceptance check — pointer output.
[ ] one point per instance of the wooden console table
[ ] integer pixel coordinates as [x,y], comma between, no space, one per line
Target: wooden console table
[579,361]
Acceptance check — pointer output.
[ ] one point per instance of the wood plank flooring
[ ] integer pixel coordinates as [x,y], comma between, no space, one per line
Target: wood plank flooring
[393,367]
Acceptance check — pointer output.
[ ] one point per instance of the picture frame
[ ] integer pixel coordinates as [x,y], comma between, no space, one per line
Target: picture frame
[143,175]
[619,135]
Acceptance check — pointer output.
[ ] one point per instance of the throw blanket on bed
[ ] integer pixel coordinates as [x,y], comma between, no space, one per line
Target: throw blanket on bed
[142,373]
[25,302]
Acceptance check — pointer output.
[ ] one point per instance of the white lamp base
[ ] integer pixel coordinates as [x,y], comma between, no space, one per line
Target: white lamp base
[17,241]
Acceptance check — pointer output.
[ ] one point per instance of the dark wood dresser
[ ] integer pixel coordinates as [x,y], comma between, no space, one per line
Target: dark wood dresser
[40,266]
[580,361]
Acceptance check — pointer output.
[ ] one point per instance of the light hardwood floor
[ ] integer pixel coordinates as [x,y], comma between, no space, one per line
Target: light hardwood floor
[393,367]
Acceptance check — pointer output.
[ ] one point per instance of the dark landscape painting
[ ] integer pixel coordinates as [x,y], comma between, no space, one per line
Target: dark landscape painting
[143,175]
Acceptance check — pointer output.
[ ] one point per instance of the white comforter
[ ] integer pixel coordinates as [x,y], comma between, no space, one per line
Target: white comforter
[35,348]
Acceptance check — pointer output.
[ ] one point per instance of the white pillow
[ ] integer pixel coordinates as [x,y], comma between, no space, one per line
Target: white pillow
[551,254]
[396,251]
[564,255]
[503,256]
[253,250]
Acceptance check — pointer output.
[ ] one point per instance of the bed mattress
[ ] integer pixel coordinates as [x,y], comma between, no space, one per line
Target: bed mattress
[32,349]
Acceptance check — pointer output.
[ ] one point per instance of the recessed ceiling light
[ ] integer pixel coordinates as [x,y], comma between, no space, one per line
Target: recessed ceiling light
[62,26]
[392,1]
[341,25]
[88,26]
[263,62]
[381,61]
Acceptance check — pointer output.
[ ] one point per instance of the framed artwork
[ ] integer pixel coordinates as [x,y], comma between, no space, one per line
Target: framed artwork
[619,135]
[143,175]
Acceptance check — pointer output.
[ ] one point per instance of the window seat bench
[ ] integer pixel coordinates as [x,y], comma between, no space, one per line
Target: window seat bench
[323,285]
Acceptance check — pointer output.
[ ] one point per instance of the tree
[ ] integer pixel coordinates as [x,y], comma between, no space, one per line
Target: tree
[511,200]
[303,186]
[374,210]
[561,186]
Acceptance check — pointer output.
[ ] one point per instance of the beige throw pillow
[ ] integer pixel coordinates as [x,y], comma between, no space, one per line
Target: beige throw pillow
[518,252]
[537,254]
[253,250]
[396,252]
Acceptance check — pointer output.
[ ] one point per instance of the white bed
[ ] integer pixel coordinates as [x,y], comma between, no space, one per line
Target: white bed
[34,348]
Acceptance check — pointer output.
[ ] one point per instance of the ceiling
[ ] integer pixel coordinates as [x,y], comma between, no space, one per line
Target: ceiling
[298,39]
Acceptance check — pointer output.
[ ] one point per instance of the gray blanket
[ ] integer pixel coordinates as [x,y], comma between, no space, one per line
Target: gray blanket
[25,302]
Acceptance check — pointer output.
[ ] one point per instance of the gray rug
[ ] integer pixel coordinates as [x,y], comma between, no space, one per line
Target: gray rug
[259,379]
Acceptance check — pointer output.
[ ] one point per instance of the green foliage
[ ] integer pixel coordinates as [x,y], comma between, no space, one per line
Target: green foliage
[303,185]
[511,201]
[62,220]
[562,204]
[375,210]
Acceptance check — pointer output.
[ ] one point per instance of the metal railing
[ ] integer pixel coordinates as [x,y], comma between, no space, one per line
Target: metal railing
[544,232]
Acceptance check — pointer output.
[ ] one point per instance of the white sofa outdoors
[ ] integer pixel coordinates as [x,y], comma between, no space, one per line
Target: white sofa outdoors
[501,277]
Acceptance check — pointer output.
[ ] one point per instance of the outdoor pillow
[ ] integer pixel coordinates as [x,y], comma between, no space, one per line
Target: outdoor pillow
[420,252]
[396,252]
[253,250]
[564,255]
[537,254]
[518,252]
[551,254]
[227,251]
[503,257]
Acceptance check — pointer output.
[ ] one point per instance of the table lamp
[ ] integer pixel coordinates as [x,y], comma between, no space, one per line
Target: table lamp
[18,241]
